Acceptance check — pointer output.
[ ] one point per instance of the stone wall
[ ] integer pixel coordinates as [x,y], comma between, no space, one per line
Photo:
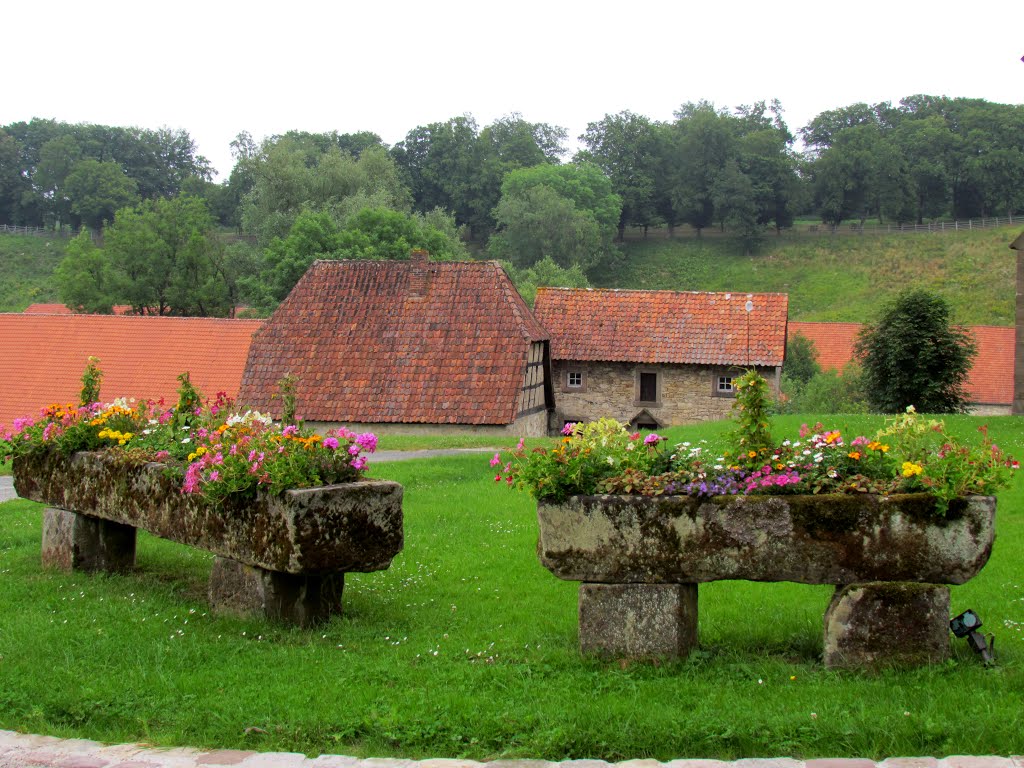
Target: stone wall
[685,393]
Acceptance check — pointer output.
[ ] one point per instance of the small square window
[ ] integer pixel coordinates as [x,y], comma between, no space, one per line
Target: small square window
[725,385]
[574,379]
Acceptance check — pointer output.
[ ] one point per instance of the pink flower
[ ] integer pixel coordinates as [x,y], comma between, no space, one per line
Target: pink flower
[368,441]
[653,439]
[233,450]
[202,432]
[359,463]
[290,430]
[331,443]
[568,429]
[354,449]
[214,476]
[521,444]
[161,455]
[165,417]
[496,460]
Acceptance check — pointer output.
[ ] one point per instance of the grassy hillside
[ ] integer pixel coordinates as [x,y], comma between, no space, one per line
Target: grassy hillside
[842,277]
[838,278]
[26,270]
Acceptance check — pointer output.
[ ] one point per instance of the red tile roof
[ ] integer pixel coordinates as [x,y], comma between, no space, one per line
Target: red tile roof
[664,326]
[833,342]
[397,342]
[140,357]
[991,378]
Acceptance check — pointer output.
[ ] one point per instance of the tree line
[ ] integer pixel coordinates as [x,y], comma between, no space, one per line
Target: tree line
[507,189]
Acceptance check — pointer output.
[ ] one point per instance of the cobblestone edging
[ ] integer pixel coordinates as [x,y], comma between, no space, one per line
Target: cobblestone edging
[19,750]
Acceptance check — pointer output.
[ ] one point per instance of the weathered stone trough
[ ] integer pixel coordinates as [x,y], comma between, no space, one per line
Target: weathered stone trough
[283,557]
[890,558]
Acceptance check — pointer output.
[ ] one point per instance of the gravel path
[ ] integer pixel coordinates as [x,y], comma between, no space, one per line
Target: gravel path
[22,750]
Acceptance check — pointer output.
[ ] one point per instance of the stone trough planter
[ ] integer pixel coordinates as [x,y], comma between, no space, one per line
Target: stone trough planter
[640,560]
[283,557]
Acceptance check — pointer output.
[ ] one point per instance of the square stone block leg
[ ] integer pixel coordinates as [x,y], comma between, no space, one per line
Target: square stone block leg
[303,600]
[887,623]
[74,542]
[638,620]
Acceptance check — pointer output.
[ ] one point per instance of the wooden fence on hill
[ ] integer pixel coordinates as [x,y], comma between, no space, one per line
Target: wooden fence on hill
[853,228]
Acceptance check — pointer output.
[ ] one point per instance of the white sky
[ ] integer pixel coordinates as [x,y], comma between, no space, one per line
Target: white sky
[215,69]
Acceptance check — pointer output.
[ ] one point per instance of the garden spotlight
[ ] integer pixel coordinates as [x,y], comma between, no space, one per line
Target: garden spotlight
[967,625]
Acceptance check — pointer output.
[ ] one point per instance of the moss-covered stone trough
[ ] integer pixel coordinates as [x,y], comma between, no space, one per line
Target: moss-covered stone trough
[281,556]
[640,560]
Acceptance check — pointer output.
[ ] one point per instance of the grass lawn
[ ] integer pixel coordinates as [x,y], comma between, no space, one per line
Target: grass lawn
[467,647]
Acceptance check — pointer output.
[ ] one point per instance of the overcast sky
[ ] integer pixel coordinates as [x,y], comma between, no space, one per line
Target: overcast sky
[215,69]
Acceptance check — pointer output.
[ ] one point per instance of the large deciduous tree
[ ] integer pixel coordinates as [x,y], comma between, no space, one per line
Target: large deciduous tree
[913,355]
[97,190]
[567,212]
[166,261]
[623,146]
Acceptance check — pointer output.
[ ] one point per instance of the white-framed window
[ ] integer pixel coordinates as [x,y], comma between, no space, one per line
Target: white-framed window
[725,385]
[574,379]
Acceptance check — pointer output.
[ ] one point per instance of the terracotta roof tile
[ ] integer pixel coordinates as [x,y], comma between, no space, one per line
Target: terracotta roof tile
[833,342]
[140,357]
[407,341]
[991,378]
[664,326]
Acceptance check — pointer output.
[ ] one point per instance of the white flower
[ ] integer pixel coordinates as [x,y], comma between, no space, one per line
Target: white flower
[186,440]
[611,461]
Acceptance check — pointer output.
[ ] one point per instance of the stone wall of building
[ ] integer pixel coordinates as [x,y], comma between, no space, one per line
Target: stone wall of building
[684,393]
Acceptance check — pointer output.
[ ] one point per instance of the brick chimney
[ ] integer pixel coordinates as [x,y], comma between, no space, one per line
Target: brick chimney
[419,274]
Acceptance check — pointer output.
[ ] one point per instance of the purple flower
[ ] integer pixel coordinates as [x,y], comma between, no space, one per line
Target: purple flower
[331,443]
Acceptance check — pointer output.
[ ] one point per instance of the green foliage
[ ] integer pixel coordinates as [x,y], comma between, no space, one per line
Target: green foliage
[190,401]
[27,265]
[91,380]
[164,260]
[99,189]
[801,358]
[286,392]
[85,277]
[827,392]
[371,233]
[545,273]
[588,455]
[566,212]
[934,460]
[913,356]
[293,174]
[752,441]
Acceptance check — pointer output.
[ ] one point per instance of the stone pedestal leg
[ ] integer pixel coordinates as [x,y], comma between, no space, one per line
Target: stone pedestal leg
[74,542]
[881,623]
[303,600]
[638,620]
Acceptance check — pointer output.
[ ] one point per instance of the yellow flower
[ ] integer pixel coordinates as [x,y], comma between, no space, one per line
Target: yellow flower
[910,469]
